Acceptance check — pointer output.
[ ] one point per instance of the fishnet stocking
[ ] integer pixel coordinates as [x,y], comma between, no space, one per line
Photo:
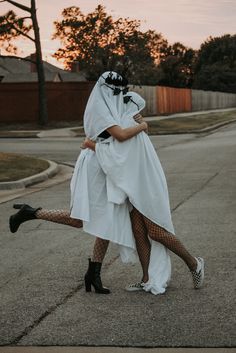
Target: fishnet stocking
[58,216]
[142,242]
[99,250]
[172,243]
[63,217]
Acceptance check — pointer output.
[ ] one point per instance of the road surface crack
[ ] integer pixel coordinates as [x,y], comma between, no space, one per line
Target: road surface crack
[195,192]
[48,312]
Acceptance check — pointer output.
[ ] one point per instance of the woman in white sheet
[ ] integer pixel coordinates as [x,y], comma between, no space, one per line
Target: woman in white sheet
[104,208]
[134,171]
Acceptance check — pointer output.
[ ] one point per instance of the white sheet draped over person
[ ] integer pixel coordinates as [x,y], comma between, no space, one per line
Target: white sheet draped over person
[133,168]
[119,173]
[89,200]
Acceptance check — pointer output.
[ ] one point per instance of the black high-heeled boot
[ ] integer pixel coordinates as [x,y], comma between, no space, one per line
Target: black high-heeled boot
[26,213]
[93,278]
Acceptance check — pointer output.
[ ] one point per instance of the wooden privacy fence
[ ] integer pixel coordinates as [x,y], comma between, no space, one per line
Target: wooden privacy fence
[169,100]
[172,100]
[164,100]
[205,100]
[67,100]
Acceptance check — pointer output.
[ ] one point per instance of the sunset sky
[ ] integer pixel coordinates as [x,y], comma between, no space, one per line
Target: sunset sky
[187,21]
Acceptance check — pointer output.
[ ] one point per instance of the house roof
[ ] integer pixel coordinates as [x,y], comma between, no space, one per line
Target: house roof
[67,76]
[3,71]
[30,77]
[14,65]
[21,70]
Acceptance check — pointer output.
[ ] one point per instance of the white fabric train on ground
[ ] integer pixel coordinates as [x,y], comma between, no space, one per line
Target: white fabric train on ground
[104,182]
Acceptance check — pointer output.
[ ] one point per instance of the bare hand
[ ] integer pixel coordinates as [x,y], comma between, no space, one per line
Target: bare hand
[138,118]
[87,143]
[145,126]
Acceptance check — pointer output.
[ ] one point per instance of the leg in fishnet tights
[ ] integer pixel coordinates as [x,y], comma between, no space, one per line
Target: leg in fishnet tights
[99,250]
[160,235]
[142,242]
[59,216]
[63,217]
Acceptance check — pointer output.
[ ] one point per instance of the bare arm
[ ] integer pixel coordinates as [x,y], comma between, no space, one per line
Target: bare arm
[119,134]
[124,134]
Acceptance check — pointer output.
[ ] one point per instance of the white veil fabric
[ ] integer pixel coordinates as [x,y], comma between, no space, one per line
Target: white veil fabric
[104,109]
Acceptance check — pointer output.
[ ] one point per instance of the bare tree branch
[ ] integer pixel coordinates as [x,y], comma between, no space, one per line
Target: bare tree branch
[17,20]
[17,57]
[26,17]
[19,31]
[24,34]
[20,6]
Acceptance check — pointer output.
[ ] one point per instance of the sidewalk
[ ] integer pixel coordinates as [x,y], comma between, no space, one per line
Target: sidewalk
[190,114]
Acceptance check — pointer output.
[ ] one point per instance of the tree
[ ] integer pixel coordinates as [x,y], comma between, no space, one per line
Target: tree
[177,66]
[216,64]
[100,43]
[12,27]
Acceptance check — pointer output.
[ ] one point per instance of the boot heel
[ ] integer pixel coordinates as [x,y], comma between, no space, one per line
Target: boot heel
[93,278]
[87,285]
[18,206]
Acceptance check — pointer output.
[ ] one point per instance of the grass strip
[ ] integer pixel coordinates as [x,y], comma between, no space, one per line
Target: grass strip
[189,124]
[14,166]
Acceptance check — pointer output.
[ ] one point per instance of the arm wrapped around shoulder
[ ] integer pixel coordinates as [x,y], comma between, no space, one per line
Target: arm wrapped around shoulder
[124,134]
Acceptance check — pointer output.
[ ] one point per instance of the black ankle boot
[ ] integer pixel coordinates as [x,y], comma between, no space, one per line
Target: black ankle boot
[92,278]
[26,213]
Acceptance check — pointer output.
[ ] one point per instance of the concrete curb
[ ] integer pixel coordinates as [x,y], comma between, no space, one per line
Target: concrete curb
[206,129]
[210,128]
[65,132]
[37,178]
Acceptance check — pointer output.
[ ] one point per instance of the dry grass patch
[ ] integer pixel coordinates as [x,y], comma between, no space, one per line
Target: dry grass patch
[189,124]
[18,134]
[15,166]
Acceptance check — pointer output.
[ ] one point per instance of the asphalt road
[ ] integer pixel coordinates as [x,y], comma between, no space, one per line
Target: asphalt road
[43,301]
[66,150]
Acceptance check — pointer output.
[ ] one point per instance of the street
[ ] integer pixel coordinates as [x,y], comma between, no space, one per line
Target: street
[43,300]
